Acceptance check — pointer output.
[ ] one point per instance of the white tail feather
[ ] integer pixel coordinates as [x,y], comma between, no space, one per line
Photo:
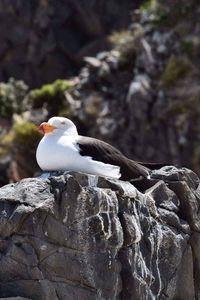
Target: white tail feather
[102,169]
[112,171]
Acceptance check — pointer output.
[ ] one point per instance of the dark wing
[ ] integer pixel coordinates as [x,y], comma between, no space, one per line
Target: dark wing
[106,153]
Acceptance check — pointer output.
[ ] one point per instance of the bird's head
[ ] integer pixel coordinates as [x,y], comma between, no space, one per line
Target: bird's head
[59,126]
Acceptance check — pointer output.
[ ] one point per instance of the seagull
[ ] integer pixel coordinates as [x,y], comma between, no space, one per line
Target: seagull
[62,148]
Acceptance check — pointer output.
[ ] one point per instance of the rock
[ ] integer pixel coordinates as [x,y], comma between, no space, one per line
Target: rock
[152,98]
[29,31]
[195,244]
[68,236]
[93,62]
[4,165]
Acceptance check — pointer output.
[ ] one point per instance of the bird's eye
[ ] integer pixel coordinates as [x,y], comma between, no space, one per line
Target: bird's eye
[63,122]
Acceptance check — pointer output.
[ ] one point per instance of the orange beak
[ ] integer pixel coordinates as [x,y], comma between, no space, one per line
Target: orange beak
[46,128]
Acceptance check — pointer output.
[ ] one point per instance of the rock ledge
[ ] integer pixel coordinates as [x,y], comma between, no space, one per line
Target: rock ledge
[69,237]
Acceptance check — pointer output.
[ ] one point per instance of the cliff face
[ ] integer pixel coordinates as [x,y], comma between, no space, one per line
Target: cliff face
[143,96]
[71,236]
[44,40]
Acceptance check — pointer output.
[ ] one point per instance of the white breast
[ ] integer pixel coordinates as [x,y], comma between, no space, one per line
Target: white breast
[55,153]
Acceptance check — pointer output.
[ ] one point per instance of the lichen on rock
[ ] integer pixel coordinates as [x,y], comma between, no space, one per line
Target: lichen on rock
[51,96]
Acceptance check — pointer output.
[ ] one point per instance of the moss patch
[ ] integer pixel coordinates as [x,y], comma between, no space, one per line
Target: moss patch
[126,43]
[26,133]
[187,47]
[176,69]
[6,143]
[149,5]
[163,14]
[118,38]
[51,95]
[190,47]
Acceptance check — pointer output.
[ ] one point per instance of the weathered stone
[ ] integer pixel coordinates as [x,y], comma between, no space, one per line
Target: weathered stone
[195,244]
[4,164]
[164,197]
[185,282]
[93,62]
[73,236]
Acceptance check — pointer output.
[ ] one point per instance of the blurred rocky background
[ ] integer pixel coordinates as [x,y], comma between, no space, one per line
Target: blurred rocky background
[125,72]
[43,40]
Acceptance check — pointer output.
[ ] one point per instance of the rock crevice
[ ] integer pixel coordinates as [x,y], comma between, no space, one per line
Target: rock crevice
[62,237]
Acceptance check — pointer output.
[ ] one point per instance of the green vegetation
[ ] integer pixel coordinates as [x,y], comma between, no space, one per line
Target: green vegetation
[176,69]
[160,14]
[187,47]
[12,97]
[126,43]
[148,5]
[26,133]
[191,47]
[51,96]
[6,142]
[180,108]
[164,15]
[118,38]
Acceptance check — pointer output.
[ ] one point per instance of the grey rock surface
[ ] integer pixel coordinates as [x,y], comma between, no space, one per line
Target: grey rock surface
[72,236]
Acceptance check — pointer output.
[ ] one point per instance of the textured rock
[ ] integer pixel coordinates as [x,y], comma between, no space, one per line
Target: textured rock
[73,236]
[4,165]
[142,96]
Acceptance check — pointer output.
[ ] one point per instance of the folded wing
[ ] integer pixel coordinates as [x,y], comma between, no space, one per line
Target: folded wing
[101,151]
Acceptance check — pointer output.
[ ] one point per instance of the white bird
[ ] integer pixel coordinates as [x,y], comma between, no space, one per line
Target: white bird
[62,148]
